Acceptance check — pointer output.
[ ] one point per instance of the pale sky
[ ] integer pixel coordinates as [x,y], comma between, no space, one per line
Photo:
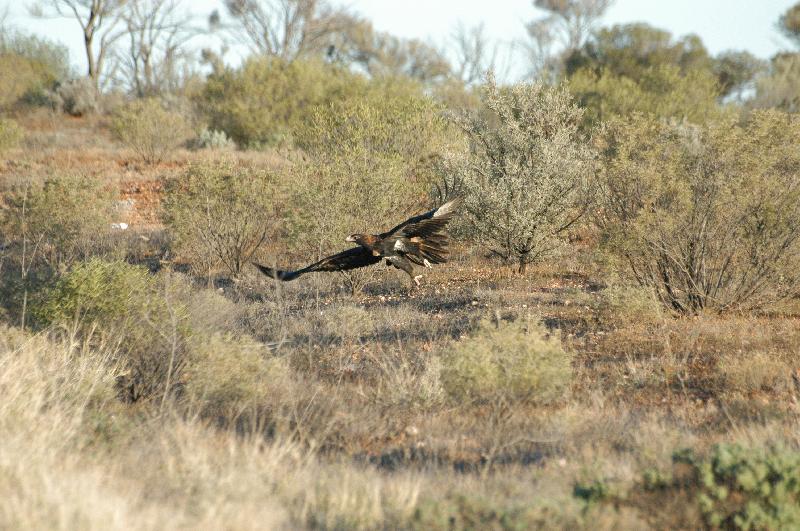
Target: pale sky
[722,24]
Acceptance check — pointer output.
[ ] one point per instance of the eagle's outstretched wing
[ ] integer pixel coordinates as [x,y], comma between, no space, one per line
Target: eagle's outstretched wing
[436,218]
[343,261]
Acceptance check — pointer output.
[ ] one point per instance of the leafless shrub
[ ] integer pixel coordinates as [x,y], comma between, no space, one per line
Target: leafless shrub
[221,213]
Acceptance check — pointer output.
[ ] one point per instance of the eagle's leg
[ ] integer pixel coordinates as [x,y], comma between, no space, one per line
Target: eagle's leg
[403,263]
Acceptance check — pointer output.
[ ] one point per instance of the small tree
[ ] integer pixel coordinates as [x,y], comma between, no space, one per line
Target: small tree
[221,213]
[100,24]
[525,178]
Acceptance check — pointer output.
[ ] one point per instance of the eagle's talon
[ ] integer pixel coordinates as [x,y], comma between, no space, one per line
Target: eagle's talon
[416,280]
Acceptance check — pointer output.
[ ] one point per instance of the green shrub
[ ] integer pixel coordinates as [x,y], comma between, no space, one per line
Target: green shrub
[745,488]
[508,363]
[29,68]
[97,292]
[59,221]
[221,213]
[264,102]
[213,139]
[526,172]
[140,317]
[10,134]
[661,91]
[149,129]
[707,216]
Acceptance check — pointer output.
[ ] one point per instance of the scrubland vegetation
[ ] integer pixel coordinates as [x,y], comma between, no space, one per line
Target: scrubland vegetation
[615,343]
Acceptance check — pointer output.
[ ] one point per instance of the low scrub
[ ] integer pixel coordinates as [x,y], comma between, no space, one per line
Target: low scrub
[228,378]
[526,173]
[508,363]
[143,319]
[149,129]
[264,102]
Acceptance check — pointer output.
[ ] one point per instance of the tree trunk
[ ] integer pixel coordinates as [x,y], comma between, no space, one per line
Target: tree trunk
[523,264]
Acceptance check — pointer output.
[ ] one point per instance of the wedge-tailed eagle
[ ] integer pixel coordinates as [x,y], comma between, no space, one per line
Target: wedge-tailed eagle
[419,240]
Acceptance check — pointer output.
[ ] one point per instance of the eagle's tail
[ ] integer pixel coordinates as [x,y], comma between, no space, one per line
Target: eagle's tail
[278,274]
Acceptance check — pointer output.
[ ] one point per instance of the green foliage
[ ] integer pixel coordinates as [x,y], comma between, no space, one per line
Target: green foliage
[736,71]
[143,319]
[661,91]
[780,88]
[221,213]
[708,216]
[149,129]
[59,221]
[638,68]
[789,23]
[375,150]
[98,293]
[746,488]
[507,363]
[212,139]
[627,50]
[472,511]
[29,67]
[265,101]
[594,491]
[10,134]
[525,176]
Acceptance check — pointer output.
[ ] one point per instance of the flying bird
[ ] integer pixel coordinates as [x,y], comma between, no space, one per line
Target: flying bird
[419,240]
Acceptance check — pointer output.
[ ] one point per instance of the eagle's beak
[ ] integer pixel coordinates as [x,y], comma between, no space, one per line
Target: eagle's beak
[350,239]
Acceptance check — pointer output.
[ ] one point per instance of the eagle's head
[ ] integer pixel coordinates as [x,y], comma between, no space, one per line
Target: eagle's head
[354,238]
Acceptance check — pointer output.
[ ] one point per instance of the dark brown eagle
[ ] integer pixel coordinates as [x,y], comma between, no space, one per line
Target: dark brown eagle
[419,240]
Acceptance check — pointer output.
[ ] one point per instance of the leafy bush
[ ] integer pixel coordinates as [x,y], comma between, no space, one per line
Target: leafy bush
[267,100]
[659,91]
[374,150]
[97,292]
[10,134]
[149,129]
[213,139]
[508,363]
[29,67]
[707,216]
[59,221]
[79,97]
[526,178]
[221,213]
[141,317]
[743,488]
